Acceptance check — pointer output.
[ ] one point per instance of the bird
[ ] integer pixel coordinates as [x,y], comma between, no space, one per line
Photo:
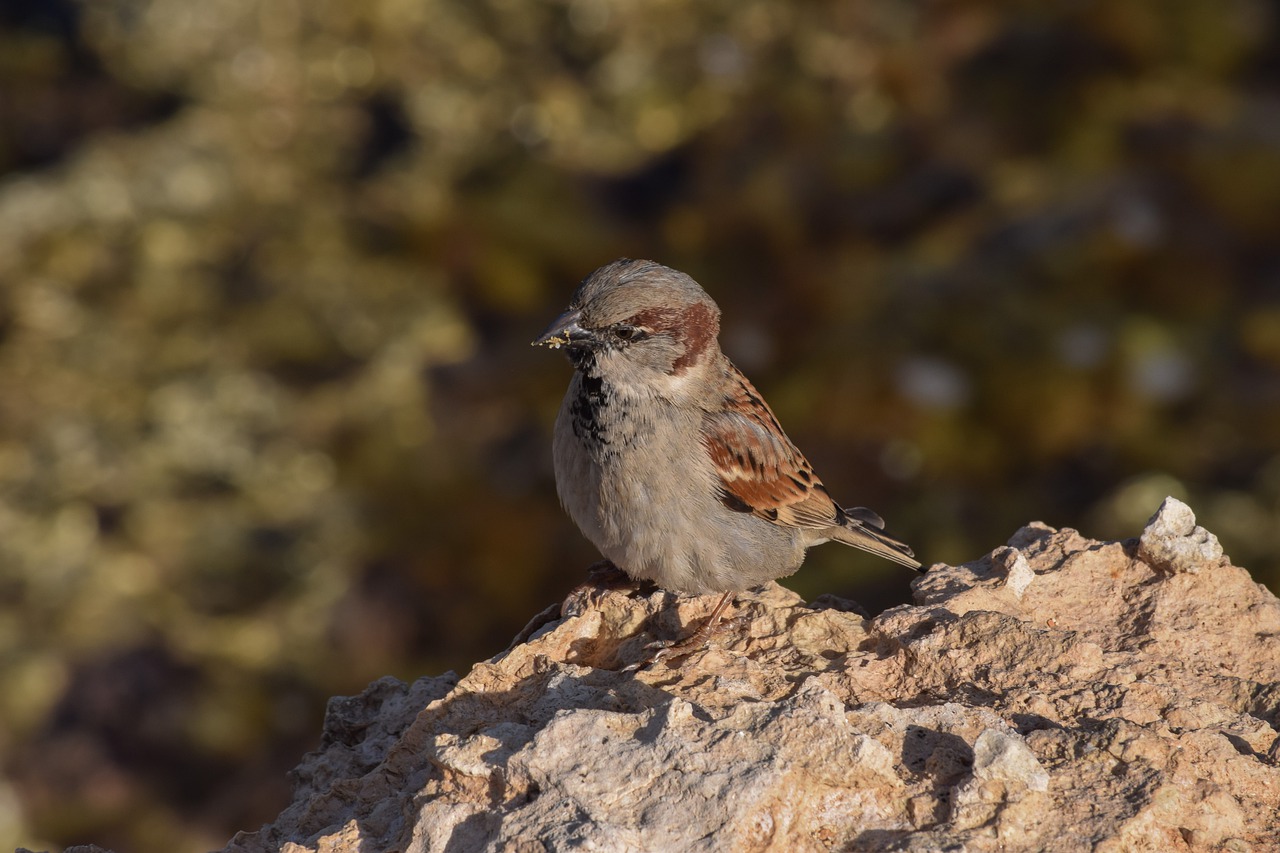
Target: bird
[669,460]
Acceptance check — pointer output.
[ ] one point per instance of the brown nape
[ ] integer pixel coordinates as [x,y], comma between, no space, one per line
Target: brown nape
[695,326]
[697,330]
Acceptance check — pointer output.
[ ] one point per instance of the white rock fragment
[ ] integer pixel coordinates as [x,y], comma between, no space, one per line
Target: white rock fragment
[1005,757]
[1017,571]
[1173,542]
[875,758]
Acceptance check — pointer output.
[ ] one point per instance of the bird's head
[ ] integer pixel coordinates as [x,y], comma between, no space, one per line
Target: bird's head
[638,319]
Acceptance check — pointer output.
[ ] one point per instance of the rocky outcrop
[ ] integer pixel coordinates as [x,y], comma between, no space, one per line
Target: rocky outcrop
[1058,694]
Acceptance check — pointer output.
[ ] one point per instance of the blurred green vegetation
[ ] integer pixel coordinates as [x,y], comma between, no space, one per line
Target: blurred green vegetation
[269,422]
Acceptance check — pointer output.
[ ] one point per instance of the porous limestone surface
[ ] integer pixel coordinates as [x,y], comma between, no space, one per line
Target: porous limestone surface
[1059,694]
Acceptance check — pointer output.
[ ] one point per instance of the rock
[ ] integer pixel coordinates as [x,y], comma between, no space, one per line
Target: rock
[1017,571]
[1172,541]
[1060,693]
[1004,756]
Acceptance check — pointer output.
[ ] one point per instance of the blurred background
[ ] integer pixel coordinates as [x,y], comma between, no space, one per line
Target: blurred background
[270,425]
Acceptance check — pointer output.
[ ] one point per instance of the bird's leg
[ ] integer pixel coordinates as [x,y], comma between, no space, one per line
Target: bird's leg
[700,637]
[663,649]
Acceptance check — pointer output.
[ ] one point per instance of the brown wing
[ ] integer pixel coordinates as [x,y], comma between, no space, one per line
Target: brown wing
[760,470]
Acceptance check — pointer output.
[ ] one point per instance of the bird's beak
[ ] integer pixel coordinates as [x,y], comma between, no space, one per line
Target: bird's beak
[565,331]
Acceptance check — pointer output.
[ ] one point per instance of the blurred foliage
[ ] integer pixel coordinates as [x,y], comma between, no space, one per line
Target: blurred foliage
[269,422]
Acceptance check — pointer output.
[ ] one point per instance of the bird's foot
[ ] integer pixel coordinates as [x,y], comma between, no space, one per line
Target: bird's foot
[661,651]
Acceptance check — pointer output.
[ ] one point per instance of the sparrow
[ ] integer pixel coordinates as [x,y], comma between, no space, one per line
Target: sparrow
[667,458]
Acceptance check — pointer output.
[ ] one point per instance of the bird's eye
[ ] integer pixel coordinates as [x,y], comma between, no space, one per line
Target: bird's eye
[625,332]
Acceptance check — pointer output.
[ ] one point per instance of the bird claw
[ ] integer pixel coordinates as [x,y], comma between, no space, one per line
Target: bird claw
[660,650]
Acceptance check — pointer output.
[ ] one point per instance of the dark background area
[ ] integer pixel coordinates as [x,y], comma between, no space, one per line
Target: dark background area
[270,426]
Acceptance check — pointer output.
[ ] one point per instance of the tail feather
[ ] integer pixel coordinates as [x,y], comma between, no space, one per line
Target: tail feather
[856,531]
[866,516]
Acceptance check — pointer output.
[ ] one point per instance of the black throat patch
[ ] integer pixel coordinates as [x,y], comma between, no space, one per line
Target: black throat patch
[594,396]
[606,422]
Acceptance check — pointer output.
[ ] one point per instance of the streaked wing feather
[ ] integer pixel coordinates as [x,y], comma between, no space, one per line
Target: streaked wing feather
[760,470]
